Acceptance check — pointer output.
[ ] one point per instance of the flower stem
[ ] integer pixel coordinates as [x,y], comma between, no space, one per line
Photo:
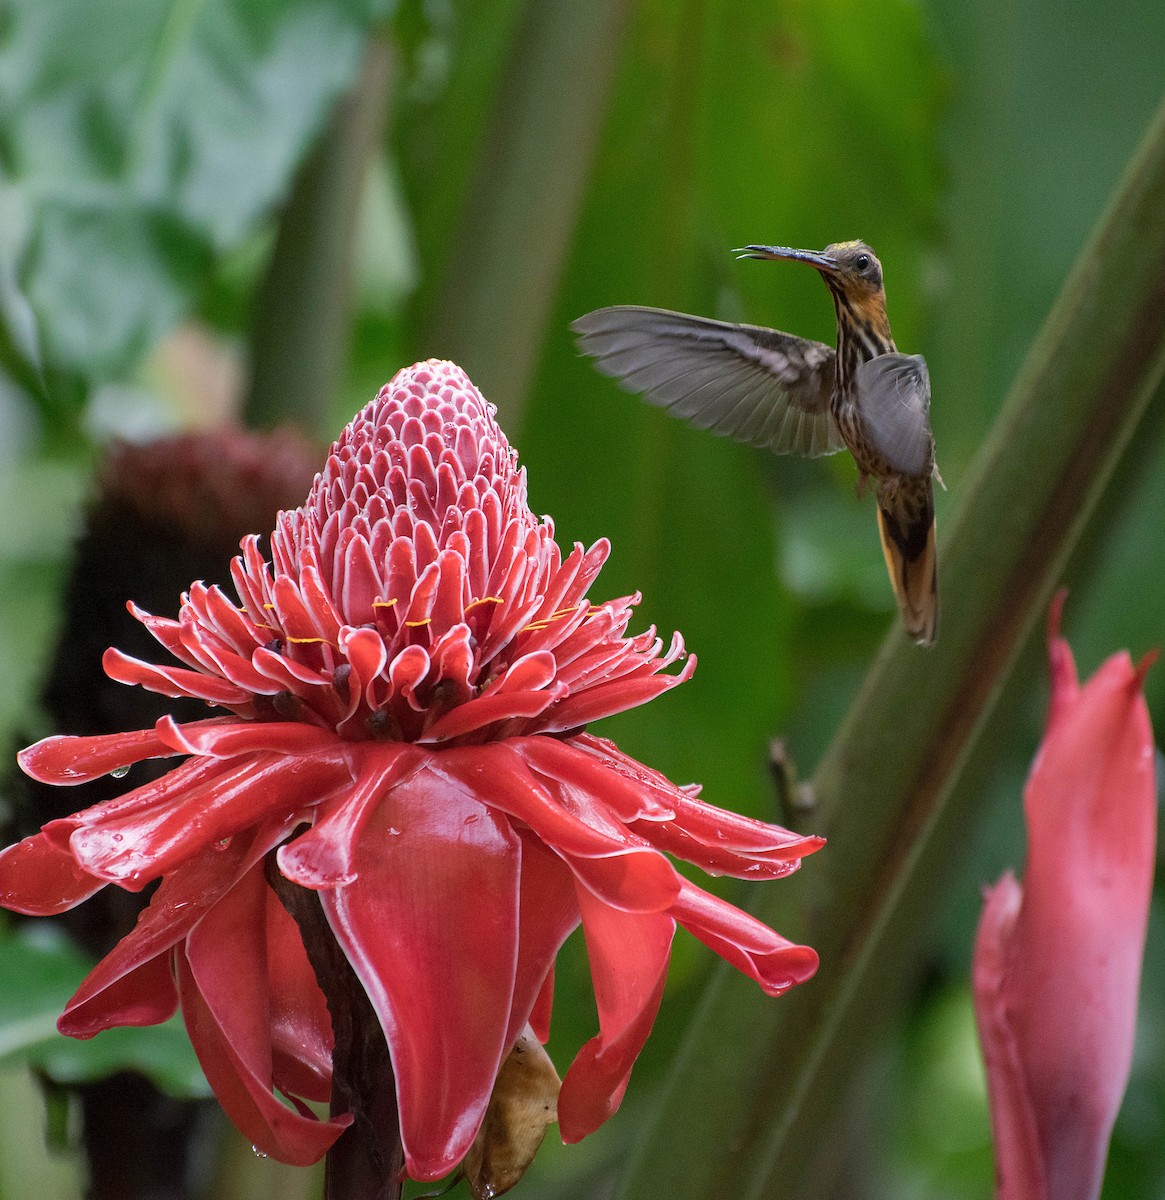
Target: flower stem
[366,1162]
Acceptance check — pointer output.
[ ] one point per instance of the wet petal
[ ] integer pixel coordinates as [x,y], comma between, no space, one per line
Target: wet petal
[628,954]
[623,873]
[69,760]
[748,944]
[442,989]
[548,914]
[40,879]
[137,846]
[108,997]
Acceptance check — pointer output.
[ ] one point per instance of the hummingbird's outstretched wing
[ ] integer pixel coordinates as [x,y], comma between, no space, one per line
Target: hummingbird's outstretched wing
[753,384]
[893,397]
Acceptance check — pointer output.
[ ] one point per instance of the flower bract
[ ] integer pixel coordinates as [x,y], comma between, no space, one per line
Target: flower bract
[1058,958]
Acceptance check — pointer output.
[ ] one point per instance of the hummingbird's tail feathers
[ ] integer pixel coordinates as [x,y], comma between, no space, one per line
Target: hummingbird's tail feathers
[906,526]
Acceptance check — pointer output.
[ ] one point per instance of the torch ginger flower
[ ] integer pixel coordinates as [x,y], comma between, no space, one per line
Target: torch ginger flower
[1058,960]
[409,679]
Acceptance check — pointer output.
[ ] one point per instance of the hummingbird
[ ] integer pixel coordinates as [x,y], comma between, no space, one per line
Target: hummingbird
[793,395]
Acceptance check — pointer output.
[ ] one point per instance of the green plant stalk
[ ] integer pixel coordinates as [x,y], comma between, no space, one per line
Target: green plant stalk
[503,267]
[757,1082]
[300,329]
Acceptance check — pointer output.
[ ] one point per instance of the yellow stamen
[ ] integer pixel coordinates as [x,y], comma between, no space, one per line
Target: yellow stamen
[544,622]
[308,641]
[417,624]
[383,603]
[484,600]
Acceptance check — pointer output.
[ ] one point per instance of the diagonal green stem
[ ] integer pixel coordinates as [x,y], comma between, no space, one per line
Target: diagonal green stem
[756,1083]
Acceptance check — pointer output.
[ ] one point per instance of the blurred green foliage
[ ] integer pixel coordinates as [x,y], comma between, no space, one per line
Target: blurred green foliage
[542,158]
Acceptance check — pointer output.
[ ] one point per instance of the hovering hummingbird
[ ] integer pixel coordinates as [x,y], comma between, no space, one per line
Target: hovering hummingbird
[792,395]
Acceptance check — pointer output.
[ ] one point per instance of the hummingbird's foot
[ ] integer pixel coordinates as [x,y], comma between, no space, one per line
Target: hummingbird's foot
[887,488]
[862,485]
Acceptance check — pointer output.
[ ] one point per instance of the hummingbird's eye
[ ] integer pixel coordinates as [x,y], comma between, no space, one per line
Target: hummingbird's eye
[862,262]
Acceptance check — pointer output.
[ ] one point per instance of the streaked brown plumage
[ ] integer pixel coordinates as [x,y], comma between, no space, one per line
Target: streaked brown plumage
[792,395]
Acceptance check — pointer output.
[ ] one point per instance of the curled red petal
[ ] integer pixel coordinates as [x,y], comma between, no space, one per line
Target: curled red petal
[749,945]
[628,954]
[486,709]
[174,681]
[323,856]
[228,738]
[69,760]
[626,791]
[40,879]
[142,994]
[443,989]
[606,699]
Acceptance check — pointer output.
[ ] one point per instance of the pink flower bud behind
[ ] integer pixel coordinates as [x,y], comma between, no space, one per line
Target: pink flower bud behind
[1058,960]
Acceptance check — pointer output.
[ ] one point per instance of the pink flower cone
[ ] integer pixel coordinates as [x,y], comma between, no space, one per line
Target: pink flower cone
[408,683]
[1058,959]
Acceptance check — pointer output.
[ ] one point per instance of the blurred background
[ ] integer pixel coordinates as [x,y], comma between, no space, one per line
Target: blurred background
[256,211]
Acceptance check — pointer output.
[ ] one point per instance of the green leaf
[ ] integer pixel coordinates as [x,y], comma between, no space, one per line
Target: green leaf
[142,137]
[42,970]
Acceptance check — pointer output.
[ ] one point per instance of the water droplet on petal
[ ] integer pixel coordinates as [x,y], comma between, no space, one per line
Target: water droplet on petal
[258,1153]
[118,837]
[222,844]
[393,831]
[119,772]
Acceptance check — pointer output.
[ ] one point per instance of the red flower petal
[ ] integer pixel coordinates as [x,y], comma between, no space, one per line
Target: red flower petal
[134,847]
[229,738]
[69,760]
[301,1029]
[443,989]
[141,994]
[627,793]
[625,875]
[324,856]
[628,954]
[224,1036]
[749,945]
[485,710]
[174,681]
[40,879]
[606,699]
[182,899]
[548,913]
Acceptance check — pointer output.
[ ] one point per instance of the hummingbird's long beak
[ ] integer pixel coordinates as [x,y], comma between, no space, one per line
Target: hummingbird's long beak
[813,257]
